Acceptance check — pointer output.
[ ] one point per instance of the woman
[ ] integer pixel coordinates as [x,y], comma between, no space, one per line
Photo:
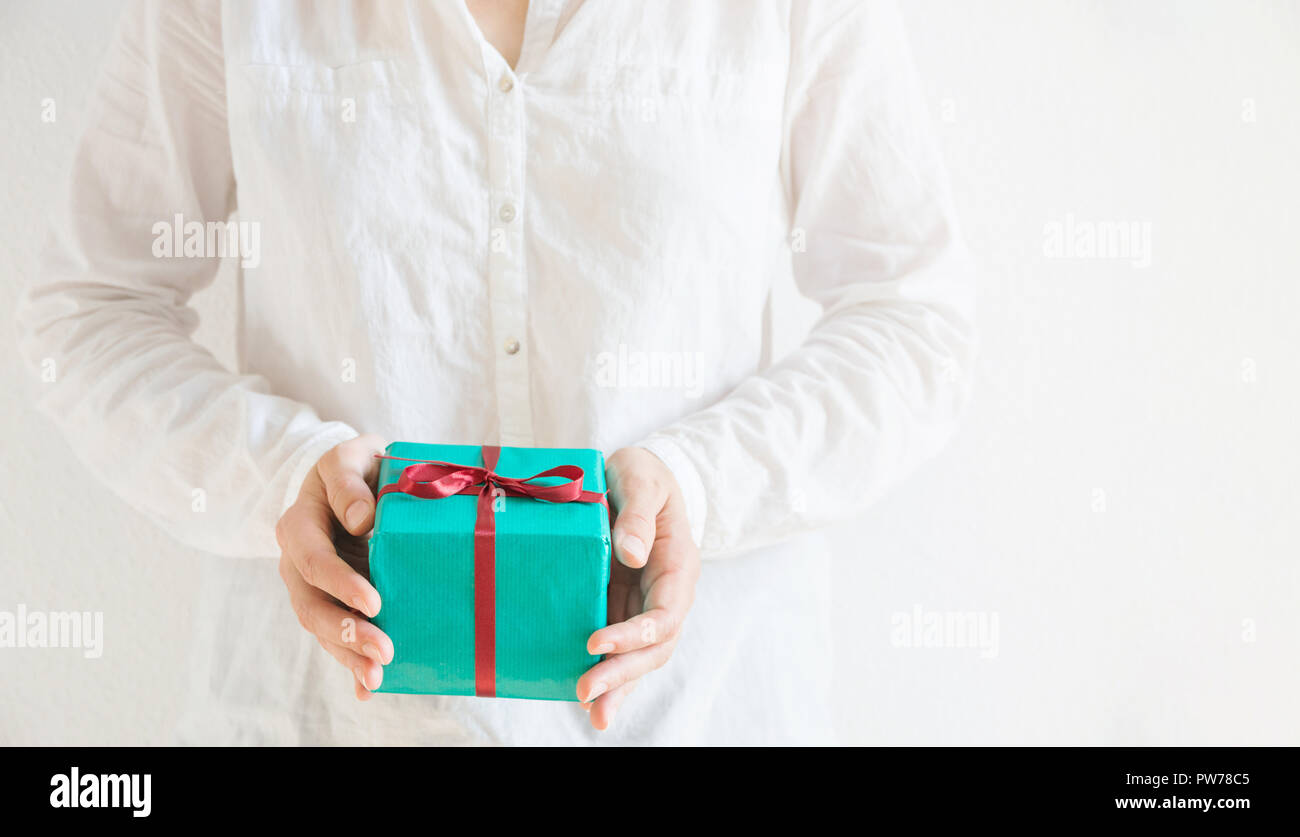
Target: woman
[461,212]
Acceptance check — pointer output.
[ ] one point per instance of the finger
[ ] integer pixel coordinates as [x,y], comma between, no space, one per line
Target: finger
[638,501]
[641,631]
[320,616]
[668,593]
[358,673]
[305,536]
[365,671]
[609,674]
[347,471]
[604,708]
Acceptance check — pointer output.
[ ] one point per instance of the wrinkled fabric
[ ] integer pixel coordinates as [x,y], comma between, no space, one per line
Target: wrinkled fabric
[578,252]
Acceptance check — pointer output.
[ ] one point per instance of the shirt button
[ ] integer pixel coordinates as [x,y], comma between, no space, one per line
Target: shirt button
[507,212]
[506,84]
[512,346]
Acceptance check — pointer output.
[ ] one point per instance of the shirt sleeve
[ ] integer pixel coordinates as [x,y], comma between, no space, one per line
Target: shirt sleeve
[211,456]
[878,384]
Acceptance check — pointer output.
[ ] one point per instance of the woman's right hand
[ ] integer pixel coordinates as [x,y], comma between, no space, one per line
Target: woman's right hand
[324,559]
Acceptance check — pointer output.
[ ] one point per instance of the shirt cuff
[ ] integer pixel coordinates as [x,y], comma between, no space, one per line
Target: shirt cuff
[331,434]
[688,480]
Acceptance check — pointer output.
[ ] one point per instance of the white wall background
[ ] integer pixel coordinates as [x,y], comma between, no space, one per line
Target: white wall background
[1123,498]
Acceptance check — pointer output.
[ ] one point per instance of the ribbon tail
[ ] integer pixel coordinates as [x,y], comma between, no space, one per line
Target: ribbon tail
[485,597]
[485,584]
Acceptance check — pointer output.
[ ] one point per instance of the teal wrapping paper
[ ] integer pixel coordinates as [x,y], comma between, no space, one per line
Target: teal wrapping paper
[552,573]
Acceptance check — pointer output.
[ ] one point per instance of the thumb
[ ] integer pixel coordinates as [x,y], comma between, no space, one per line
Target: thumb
[347,471]
[637,503]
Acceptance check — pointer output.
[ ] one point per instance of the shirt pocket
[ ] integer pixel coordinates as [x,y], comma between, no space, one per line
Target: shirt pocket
[323,160]
[376,75]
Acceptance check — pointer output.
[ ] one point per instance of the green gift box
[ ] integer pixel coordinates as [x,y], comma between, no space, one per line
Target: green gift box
[493,565]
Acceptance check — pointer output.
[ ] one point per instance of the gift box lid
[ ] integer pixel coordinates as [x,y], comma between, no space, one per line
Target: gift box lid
[401,513]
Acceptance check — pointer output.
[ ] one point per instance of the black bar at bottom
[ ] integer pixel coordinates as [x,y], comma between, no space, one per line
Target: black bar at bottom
[1216,786]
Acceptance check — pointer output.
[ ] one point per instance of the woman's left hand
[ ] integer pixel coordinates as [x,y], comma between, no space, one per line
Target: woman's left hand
[651,583]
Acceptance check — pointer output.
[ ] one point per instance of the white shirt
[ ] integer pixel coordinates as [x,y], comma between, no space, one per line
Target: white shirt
[577,253]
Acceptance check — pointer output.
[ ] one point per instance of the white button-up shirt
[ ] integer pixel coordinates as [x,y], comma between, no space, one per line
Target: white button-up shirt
[575,252]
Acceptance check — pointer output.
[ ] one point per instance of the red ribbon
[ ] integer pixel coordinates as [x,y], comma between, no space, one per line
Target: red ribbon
[435,480]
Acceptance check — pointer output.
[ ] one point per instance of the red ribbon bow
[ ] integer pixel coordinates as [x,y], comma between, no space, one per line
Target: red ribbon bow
[435,480]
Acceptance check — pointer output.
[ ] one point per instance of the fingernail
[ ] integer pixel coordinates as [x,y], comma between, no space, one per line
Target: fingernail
[603,648]
[372,652]
[633,547]
[360,672]
[362,606]
[596,691]
[354,515]
[586,707]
